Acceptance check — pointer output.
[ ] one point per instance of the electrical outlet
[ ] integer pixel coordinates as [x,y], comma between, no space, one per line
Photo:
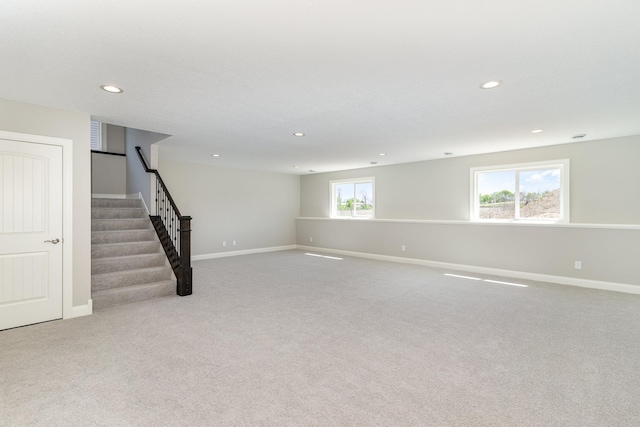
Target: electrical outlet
[404,248]
[224,243]
[234,243]
[578,265]
[311,239]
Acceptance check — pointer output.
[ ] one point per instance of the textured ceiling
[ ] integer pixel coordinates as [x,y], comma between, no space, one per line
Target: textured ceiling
[358,77]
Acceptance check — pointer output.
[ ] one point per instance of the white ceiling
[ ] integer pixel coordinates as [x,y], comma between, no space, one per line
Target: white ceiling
[358,77]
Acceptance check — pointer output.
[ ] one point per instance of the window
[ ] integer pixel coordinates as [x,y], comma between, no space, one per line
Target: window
[352,199]
[96,136]
[542,192]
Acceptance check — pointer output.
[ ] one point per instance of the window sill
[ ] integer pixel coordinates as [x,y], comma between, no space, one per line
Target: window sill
[351,217]
[479,223]
[520,221]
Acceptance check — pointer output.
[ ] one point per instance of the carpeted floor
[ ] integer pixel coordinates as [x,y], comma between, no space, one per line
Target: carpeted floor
[286,339]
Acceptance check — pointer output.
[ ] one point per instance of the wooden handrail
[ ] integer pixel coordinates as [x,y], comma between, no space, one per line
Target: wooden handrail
[157,174]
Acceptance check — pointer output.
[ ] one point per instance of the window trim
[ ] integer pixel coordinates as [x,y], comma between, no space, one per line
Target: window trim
[562,164]
[332,201]
[101,135]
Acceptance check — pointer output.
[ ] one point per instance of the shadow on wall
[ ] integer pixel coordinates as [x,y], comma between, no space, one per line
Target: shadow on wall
[138,181]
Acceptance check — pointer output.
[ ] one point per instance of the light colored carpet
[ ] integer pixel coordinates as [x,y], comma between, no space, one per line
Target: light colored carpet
[285,339]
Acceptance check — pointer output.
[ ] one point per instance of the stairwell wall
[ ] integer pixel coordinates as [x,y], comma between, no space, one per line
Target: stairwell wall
[109,173]
[139,181]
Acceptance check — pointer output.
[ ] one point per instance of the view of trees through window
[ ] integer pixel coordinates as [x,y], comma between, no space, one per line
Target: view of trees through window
[353,199]
[538,195]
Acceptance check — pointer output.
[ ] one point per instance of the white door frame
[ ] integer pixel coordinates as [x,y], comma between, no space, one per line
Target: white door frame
[67,211]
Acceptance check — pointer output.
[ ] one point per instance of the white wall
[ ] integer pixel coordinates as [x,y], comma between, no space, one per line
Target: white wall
[37,120]
[604,179]
[256,209]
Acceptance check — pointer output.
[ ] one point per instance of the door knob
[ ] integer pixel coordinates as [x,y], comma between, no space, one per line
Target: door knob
[54,241]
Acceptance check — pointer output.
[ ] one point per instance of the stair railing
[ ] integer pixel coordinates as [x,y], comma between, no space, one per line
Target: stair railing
[174,231]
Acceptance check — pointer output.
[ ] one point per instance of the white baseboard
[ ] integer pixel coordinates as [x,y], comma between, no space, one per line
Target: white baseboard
[139,196]
[562,280]
[81,310]
[109,196]
[242,252]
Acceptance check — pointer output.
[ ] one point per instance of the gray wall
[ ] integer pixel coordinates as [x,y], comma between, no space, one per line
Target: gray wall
[138,181]
[604,179]
[607,255]
[256,209]
[36,120]
[108,174]
[115,139]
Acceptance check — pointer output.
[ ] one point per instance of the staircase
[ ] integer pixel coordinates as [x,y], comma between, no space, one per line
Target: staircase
[127,262]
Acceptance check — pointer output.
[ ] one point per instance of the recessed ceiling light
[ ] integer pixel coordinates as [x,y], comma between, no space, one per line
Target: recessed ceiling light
[296,167]
[578,136]
[382,154]
[448,154]
[298,134]
[215,155]
[111,89]
[537,131]
[491,84]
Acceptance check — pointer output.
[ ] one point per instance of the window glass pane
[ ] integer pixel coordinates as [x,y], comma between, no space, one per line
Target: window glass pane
[352,199]
[364,199]
[345,195]
[496,192]
[533,191]
[540,193]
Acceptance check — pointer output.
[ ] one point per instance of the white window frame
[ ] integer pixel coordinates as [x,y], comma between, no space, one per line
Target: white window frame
[101,136]
[332,202]
[562,164]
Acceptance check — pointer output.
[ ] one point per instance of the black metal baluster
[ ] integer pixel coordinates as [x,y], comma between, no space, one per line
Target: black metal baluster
[174,231]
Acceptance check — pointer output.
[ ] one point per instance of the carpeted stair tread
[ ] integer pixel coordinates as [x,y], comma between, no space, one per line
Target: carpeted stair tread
[128,263]
[118,279]
[134,293]
[97,202]
[106,250]
[122,236]
[114,224]
[129,212]
[107,265]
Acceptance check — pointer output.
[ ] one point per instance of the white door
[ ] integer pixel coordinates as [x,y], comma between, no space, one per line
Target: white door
[30,233]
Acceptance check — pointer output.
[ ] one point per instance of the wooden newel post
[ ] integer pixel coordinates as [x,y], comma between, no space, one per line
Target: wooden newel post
[185,272]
